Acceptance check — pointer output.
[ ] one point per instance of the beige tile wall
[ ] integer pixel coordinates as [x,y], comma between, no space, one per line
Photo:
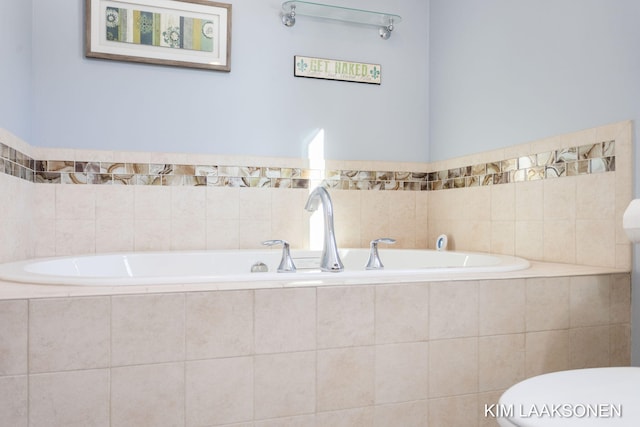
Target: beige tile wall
[100,218]
[573,219]
[18,229]
[377,355]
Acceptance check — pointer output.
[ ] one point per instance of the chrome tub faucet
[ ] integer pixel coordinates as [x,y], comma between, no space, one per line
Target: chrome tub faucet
[330,259]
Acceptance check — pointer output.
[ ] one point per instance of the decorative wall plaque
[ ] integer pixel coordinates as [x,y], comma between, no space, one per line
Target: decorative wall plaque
[333,69]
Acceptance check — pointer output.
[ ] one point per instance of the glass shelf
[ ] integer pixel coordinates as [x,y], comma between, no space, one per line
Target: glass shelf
[339,13]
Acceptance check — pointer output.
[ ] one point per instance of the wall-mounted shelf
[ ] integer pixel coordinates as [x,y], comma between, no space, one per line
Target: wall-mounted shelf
[384,21]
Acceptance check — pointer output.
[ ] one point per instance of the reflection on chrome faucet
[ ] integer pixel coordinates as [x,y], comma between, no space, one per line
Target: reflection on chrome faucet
[330,259]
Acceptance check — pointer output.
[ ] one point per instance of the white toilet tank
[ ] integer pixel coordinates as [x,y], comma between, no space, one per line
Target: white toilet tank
[598,397]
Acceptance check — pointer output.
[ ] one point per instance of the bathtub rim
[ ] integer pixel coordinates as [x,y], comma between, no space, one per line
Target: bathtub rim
[13,273]
[537,270]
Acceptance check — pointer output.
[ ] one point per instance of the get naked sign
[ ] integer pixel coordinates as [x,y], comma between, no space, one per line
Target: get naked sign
[333,69]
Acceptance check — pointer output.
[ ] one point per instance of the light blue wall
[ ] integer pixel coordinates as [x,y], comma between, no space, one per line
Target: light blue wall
[504,72]
[15,67]
[259,108]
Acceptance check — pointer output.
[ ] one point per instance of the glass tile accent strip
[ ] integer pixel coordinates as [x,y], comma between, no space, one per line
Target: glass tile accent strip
[571,161]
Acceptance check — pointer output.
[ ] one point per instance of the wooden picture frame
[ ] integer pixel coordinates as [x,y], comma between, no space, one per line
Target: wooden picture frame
[183,33]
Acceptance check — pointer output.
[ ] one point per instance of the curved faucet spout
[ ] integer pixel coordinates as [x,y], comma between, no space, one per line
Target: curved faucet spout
[330,260]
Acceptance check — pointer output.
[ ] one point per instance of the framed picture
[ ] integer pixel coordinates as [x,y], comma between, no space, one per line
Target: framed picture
[183,33]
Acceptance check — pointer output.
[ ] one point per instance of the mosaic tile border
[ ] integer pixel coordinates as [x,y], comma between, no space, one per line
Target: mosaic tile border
[573,161]
[15,163]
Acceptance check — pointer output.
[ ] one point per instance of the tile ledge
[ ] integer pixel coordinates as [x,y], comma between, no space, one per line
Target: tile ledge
[16,291]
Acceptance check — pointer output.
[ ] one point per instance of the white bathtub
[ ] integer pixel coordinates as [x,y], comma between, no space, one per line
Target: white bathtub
[180,268]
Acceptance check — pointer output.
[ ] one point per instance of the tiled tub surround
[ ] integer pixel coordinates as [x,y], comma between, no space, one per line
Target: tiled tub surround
[420,354]
[17,234]
[575,219]
[559,199]
[428,353]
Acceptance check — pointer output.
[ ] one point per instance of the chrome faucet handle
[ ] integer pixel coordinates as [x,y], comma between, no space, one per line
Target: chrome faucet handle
[286,263]
[374,262]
